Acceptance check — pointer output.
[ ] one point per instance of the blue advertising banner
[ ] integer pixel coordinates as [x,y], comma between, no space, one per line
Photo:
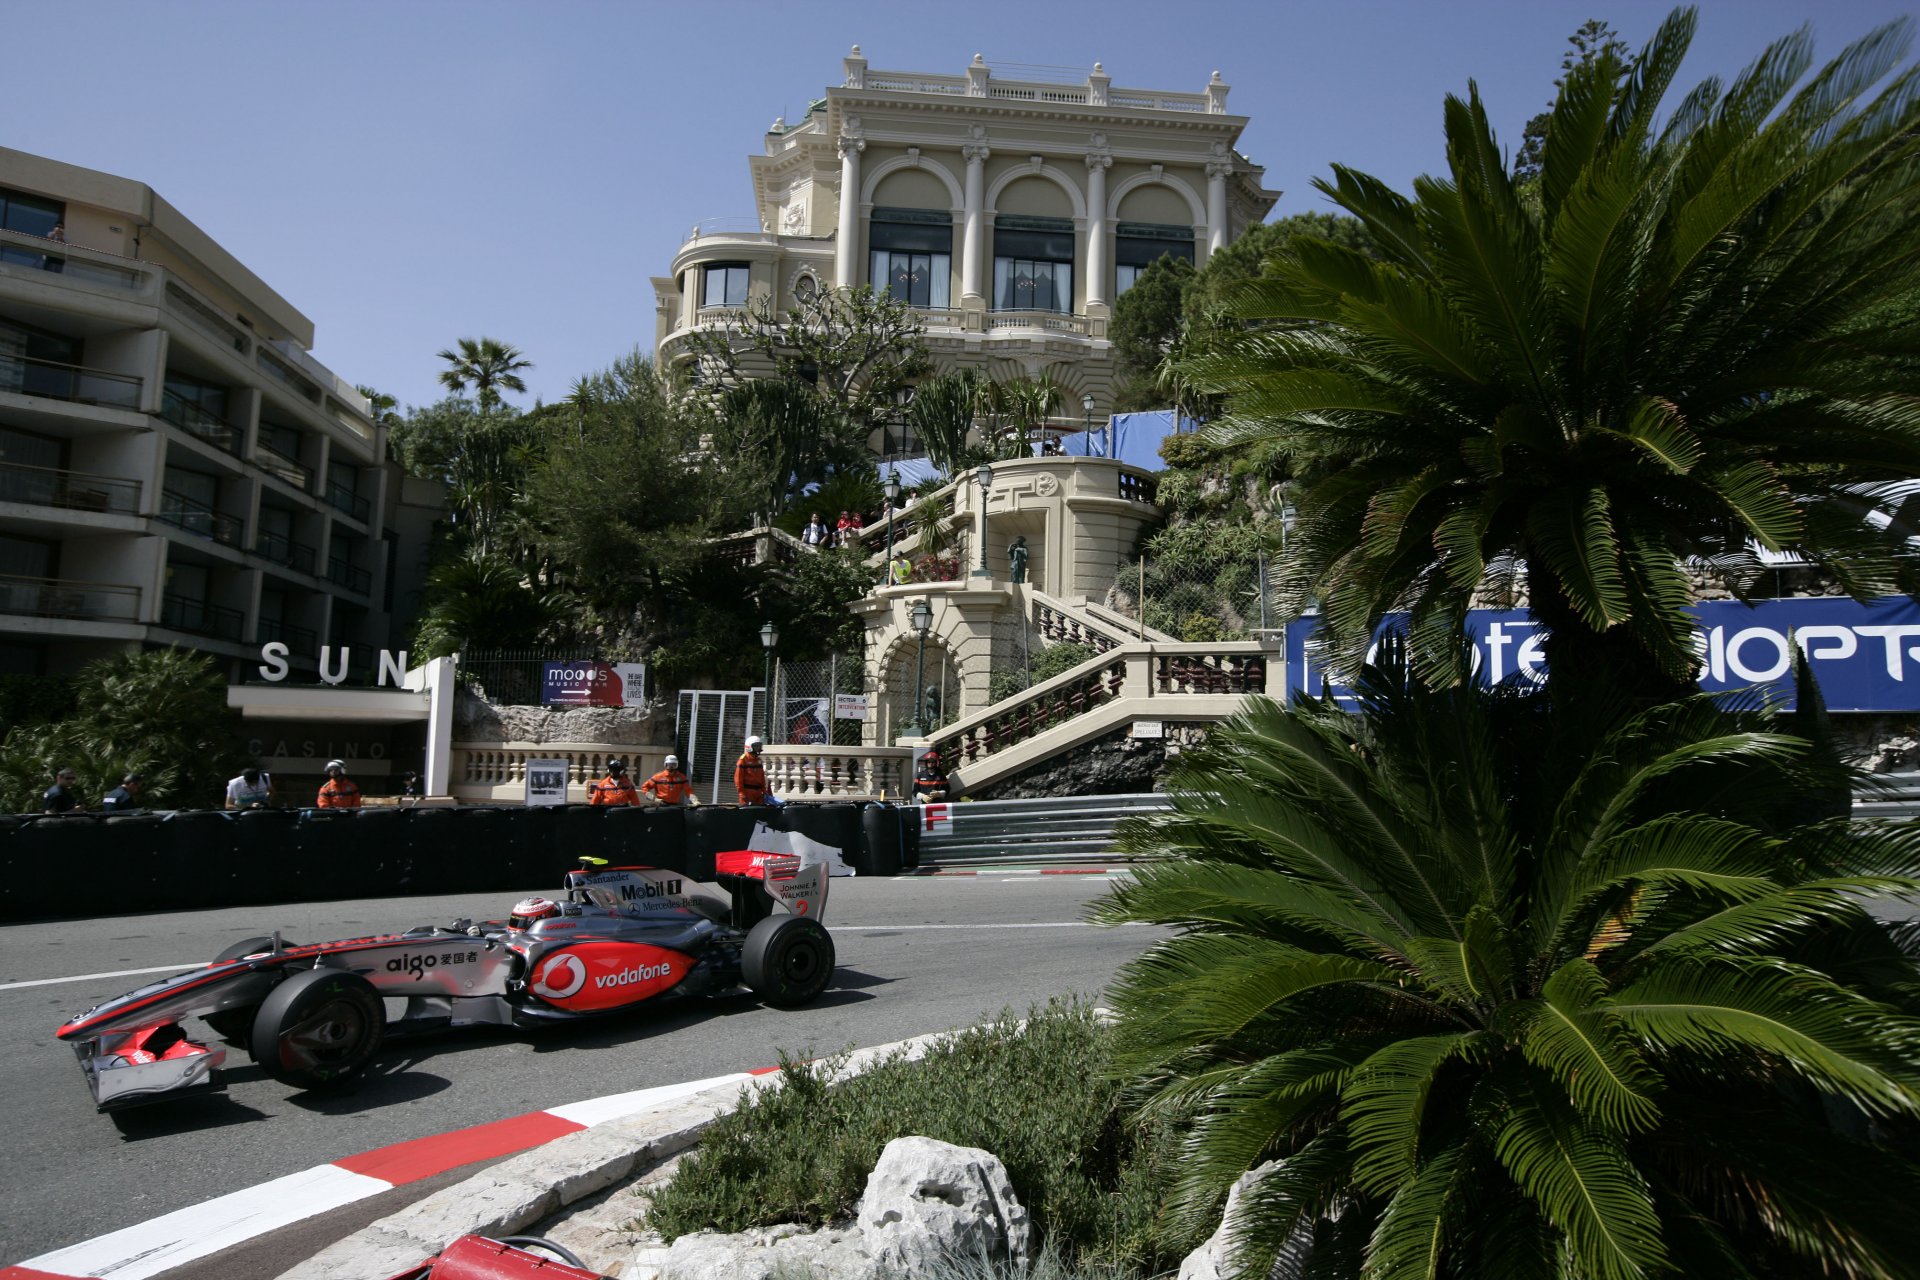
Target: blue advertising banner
[1866,657]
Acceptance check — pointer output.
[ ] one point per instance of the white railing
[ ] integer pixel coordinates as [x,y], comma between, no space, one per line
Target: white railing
[909,82]
[497,771]
[1148,100]
[821,773]
[1052,321]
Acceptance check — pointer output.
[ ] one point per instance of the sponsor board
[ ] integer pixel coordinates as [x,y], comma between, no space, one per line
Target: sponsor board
[546,782]
[594,684]
[606,975]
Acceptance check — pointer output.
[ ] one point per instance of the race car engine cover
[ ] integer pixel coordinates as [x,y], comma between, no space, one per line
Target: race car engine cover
[605,974]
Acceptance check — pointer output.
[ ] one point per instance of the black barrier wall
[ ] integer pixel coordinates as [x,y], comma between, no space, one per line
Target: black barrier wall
[54,867]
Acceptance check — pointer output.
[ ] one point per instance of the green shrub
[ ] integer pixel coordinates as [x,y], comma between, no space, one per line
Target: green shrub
[1035,1094]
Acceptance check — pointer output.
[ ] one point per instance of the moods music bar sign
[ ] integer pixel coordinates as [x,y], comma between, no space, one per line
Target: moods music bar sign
[594,684]
[1866,657]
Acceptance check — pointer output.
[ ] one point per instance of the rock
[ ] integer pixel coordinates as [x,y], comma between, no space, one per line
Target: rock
[1110,765]
[926,1200]
[1209,1261]
[476,720]
[771,1253]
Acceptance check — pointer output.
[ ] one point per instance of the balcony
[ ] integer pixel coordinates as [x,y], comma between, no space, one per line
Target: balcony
[36,253]
[298,639]
[1051,321]
[353,578]
[26,376]
[184,513]
[197,422]
[72,490]
[280,549]
[347,502]
[63,598]
[202,619]
[280,466]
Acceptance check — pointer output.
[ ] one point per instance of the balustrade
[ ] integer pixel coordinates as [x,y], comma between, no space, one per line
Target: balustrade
[1053,703]
[1059,627]
[836,773]
[1209,673]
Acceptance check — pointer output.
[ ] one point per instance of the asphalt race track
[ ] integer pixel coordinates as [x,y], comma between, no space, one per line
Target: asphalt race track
[915,955]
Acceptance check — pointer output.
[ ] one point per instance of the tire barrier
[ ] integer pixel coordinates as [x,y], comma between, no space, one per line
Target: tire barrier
[197,859]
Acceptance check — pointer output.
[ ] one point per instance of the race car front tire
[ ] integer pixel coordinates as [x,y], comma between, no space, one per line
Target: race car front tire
[319,1029]
[235,1026]
[787,960]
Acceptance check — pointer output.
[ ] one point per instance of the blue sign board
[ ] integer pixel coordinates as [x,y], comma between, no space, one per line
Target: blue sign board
[1866,657]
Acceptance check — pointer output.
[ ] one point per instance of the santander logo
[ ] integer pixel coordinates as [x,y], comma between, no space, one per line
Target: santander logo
[606,974]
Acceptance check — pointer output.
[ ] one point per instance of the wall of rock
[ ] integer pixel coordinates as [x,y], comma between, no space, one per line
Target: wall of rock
[477,720]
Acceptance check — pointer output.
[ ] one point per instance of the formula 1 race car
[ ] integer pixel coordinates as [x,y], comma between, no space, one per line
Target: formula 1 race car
[314,1016]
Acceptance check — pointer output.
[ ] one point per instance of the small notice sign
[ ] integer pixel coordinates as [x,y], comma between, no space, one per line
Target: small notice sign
[546,782]
[849,706]
[1149,729]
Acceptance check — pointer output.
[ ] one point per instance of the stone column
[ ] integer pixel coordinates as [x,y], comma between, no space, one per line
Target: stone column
[845,269]
[1217,171]
[1098,250]
[974,233]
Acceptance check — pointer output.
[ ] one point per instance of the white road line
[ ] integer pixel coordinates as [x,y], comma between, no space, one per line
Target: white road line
[974,928]
[117,973]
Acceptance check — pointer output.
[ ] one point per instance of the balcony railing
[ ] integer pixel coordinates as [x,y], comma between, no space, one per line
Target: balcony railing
[18,249]
[1051,321]
[63,598]
[183,512]
[275,463]
[298,639]
[196,421]
[74,490]
[351,577]
[27,376]
[202,619]
[346,501]
[280,549]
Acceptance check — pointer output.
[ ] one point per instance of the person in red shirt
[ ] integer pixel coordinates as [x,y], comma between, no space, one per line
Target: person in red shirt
[338,791]
[841,530]
[670,785]
[615,788]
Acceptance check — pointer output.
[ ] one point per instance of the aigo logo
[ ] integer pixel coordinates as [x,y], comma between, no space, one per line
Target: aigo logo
[606,975]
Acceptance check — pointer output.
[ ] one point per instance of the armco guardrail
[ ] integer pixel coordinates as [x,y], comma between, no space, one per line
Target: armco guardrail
[1889,795]
[999,832]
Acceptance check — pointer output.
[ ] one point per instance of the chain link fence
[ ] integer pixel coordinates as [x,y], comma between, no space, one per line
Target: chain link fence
[807,695]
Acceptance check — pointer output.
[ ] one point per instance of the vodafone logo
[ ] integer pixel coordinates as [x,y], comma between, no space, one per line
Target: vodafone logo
[560,977]
[644,973]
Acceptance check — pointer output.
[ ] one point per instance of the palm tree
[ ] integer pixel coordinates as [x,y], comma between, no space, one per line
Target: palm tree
[487,365]
[1685,343]
[1506,1000]
[941,414]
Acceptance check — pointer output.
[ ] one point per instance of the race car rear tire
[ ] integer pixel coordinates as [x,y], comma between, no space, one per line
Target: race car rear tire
[319,1029]
[787,960]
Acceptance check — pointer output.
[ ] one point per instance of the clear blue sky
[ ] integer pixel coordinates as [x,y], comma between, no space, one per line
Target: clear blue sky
[408,172]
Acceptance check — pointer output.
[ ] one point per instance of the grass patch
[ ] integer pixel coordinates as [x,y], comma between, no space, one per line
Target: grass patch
[1037,1094]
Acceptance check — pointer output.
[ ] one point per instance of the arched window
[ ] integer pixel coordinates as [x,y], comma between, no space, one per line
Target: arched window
[912,252]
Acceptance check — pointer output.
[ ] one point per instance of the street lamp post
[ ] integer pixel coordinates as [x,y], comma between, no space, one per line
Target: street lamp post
[985,476]
[891,488]
[921,618]
[1086,440]
[769,637]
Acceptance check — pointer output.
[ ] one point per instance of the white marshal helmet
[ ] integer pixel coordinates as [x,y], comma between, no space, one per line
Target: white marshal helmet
[673,762]
[341,765]
[528,910]
[753,740]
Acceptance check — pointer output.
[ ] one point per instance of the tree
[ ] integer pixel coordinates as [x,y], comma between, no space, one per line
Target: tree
[941,415]
[487,365]
[854,349]
[1660,362]
[1594,40]
[1146,321]
[1508,996]
[781,438]
[161,713]
[476,600]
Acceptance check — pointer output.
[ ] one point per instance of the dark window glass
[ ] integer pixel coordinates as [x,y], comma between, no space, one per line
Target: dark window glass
[918,279]
[33,215]
[202,395]
[27,557]
[726,285]
[1138,245]
[1032,264]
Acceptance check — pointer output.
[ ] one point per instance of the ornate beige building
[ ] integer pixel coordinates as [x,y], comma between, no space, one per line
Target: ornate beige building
[1010,213]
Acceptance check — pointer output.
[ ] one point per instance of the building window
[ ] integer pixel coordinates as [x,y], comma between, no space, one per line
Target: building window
[1032,264]
[29,214]
[1138,245]
[726,285]
[912,255]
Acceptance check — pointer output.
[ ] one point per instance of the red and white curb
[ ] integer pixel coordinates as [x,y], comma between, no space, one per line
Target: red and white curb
[177,1238]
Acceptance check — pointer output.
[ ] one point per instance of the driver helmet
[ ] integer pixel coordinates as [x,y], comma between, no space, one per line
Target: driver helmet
[616,766]
[528,910]
[673,762]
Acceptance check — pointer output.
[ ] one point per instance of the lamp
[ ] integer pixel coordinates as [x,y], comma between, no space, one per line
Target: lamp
[985,476]
[891,488]
[1086,440]
[769,637]
[920,618]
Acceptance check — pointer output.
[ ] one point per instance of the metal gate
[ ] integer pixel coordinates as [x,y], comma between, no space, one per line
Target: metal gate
[711,726]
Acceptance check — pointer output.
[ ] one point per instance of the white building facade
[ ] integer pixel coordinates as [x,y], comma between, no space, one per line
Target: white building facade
[1010,213]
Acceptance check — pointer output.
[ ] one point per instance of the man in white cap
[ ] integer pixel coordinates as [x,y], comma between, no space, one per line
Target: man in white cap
[749,775]
[670,785]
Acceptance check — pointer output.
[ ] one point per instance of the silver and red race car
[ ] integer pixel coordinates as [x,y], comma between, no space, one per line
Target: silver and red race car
[314,1016]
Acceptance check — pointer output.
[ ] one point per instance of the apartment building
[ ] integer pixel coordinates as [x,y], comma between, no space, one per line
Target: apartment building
[1009,211]
[175,467]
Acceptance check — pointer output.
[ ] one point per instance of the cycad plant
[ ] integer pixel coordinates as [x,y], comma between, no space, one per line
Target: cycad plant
[1502,999]
[1693,336]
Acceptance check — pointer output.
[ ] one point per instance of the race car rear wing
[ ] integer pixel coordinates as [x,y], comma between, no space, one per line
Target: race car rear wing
[753,882]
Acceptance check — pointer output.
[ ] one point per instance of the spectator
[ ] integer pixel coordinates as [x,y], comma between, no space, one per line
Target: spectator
[253,789]
[616,788]
[815,534]
[338,791]
[670,785]
[749,774]
[901,569]
[410,785]
[930,779]
[859,527]
[123,797]
[59,232]
[842,530]
[59,797]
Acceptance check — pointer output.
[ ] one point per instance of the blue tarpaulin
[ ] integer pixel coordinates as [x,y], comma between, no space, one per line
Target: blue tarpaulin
[1133,438]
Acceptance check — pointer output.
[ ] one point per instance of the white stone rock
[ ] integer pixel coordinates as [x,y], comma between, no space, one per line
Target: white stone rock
[926,1200]
[771,1253]
[1209,1261]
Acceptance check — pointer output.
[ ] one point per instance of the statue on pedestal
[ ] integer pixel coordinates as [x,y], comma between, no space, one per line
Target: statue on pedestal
[1017,559]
